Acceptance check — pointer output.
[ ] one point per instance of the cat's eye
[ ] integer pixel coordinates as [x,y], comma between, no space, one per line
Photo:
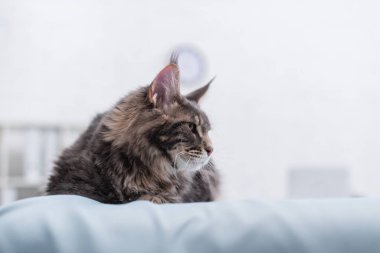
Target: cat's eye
[190,125]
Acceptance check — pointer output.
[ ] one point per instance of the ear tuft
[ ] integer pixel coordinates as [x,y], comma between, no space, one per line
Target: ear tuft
[199,93]
[174,58]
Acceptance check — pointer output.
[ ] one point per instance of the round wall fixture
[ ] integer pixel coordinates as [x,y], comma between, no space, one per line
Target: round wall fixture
[191,64]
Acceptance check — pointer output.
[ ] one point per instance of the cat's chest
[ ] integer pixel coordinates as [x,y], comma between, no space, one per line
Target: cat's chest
[167,182]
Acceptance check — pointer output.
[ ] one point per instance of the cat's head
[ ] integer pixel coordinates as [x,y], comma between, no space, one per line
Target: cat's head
[158,122]
[185,134]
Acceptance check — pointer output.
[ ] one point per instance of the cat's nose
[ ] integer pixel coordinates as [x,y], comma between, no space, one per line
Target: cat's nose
[209,150]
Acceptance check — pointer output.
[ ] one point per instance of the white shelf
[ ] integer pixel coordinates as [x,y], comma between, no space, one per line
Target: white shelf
[39,146]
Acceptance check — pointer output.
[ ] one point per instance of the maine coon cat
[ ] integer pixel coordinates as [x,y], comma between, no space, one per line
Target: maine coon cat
[152,145]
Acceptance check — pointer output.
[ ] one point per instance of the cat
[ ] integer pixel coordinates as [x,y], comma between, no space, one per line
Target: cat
[152,145]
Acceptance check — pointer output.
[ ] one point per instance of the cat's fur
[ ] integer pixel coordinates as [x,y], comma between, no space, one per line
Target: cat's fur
[152,145]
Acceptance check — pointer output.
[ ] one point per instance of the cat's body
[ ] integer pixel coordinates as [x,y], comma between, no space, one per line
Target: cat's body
[153,145]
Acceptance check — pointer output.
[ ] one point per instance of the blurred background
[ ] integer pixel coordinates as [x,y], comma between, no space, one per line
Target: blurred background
[295,106]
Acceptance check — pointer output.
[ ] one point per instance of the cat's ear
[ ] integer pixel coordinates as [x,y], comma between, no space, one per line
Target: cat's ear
[199,93]
[164,90]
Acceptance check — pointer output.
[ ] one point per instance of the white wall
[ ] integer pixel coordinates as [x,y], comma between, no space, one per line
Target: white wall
[297,83]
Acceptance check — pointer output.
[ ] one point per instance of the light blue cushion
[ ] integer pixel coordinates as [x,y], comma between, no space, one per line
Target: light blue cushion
[76,224]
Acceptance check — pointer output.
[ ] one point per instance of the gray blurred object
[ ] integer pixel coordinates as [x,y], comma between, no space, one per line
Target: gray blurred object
[318,182]
[192,64]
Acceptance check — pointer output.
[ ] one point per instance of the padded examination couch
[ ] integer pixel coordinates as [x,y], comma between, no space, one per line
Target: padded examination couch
[75,224]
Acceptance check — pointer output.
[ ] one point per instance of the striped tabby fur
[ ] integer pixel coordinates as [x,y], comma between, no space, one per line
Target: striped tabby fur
[152,145]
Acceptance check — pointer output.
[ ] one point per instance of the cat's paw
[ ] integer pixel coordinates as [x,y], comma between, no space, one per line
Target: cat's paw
[154,199]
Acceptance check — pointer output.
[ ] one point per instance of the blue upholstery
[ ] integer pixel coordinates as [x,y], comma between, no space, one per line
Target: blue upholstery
[76,224]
